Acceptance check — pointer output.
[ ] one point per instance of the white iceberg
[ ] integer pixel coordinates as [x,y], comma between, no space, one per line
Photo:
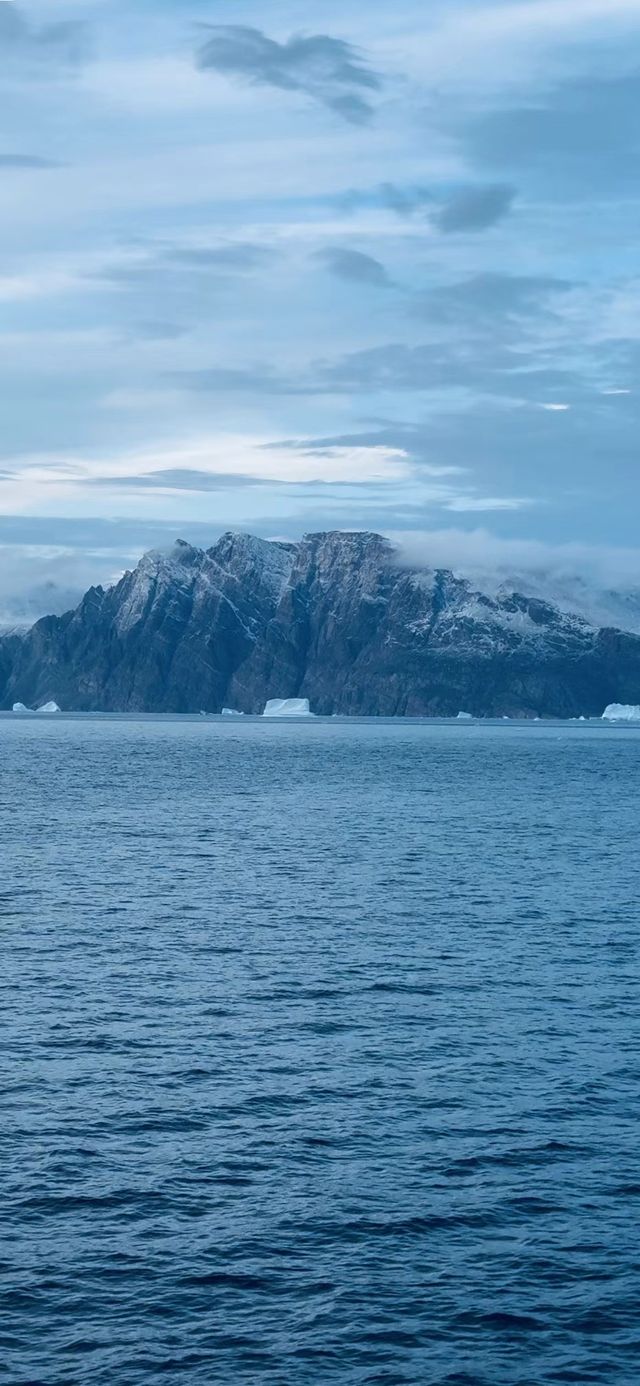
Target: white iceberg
[464,717]
[621,712]
[287,707]
[49,707]
[20,707]
[231,712]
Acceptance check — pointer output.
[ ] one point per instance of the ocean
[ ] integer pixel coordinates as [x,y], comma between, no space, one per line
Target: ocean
[320,1055]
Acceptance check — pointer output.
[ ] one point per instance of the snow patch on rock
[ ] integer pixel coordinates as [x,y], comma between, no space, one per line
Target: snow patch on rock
[267,560]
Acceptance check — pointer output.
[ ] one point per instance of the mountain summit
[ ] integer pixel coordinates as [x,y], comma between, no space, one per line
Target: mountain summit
[336,618]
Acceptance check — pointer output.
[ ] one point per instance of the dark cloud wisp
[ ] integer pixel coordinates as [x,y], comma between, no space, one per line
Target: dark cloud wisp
[327,69]
[490,297]
[582,134]
[238,257]
[49,47]
[219,262]
[26,161]
[468,209]
[474,209]
[393,367]
[179,479]
[406,201]
[355,266]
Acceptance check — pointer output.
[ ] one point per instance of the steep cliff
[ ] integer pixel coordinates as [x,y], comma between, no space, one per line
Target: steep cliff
[335,619]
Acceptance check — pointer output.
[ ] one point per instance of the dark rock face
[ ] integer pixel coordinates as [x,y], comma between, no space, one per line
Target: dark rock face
[334,619]
[167,638]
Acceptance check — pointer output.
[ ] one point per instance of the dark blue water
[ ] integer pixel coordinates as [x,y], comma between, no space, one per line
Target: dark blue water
[320,1053]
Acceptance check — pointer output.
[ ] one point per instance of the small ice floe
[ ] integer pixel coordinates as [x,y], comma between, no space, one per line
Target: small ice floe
[287,707]
[20,707]
[621,712]
[48,707]
[464,717]
[231,712]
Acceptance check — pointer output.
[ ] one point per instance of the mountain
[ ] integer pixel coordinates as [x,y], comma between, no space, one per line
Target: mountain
[598,604]
[335,618]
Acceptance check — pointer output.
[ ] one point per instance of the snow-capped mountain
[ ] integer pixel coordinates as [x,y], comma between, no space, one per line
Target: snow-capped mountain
[336,618]
[571,592]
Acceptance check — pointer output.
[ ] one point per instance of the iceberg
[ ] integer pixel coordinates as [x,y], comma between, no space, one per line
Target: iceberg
[287,707]
[231,712]
[20,707]
[464,717]
[48,707]
[621,712]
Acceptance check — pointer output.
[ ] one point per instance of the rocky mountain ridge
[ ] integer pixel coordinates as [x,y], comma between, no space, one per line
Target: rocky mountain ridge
[336,618]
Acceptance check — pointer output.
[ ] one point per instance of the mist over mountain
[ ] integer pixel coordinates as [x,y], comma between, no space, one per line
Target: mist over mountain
[27,607]
[338,618]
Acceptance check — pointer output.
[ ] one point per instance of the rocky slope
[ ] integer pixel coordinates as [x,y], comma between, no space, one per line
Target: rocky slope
[334,618]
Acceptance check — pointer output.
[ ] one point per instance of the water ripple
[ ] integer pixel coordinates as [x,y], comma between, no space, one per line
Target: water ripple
[320,1054]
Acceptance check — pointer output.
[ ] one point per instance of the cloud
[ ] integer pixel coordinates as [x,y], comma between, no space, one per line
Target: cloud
[47,579]
[38,50]
[527,19]
[393,366]
[152,261]
[326,69]
[490,332]
[355,266]
[471,551]
[89,534]
[236,257]
[178,479]
[477,504]
[207,463]
[404,200]
[155,330]
[491,295]
[598,582]
[479,345]
[474,209]
[259,378]
[26,161]
[580,134]
[485,45]
[187,479]
[469,209]
[180,247]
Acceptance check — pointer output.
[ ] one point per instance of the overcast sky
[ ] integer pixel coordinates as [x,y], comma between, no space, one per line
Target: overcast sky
[284,267]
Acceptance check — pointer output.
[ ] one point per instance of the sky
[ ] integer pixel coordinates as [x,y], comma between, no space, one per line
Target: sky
[284,268]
